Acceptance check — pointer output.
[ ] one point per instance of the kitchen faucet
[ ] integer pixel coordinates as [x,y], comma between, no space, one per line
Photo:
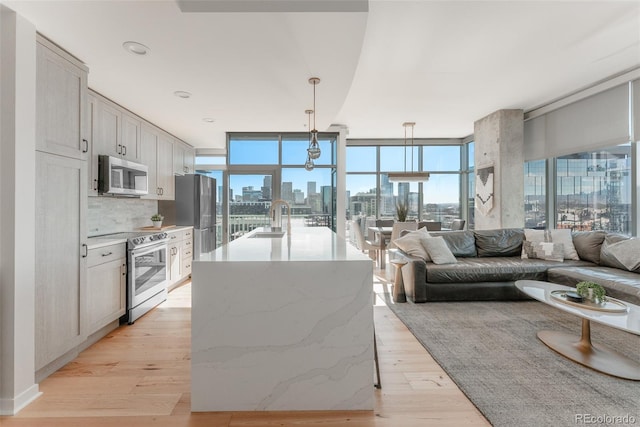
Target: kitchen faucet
[272,213]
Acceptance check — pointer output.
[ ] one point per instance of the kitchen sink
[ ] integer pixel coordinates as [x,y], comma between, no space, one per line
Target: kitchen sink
[267,235]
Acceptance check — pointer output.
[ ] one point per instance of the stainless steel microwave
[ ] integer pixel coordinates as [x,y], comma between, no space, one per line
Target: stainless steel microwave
[122,177]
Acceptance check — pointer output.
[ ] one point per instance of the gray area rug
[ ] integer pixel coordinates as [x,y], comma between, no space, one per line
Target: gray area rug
[491,351]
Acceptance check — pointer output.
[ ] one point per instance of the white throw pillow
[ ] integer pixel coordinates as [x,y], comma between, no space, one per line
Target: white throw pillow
[438,250]
[410,244]
[544,250]
[552,236]
[564,236]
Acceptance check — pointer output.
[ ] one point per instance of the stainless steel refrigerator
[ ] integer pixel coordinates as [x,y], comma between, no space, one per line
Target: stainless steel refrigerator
[195,204]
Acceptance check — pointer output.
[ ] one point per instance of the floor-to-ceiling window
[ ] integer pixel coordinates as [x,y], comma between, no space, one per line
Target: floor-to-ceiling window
[370,194]
[264,167]
[593,190]
[535,194]
[471,184]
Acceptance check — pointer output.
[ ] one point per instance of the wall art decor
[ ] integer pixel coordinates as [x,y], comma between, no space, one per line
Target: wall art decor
[484,189]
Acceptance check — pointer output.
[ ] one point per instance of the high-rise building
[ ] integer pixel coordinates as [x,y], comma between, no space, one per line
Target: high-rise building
[266,188]
[287,191]
[298,197]
[311,188]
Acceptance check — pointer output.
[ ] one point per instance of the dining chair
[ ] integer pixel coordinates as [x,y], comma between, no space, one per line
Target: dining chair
[399,227]
[385,222]
[458,224]
[431,225]
[365,245]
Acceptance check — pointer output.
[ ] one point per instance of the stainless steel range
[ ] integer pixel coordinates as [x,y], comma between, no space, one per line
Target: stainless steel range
[147,272]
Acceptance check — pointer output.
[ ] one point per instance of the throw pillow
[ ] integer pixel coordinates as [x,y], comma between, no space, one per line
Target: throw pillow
[621,252]
[564,236]
[438,250]
[543,250]
[410,244]
[588,244]
[552,236]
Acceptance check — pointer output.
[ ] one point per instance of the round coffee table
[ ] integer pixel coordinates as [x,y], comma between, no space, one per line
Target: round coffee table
[594,356]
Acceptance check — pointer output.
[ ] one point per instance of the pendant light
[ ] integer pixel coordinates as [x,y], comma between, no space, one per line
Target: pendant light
[309,163]
[408,176]
[314,147]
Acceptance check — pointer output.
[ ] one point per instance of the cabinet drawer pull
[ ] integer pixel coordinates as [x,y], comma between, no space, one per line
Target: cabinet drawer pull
[95,185]
[162,191]
[86,145]
[124,150]
[86,250]
[107,254]
[187,243]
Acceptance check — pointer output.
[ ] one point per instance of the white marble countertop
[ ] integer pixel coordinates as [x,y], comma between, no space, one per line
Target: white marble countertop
[95,242]
[304,244]
[102,241]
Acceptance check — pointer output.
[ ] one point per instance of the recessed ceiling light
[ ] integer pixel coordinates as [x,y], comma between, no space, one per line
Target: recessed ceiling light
[136,48]
[182,94]
[208,120]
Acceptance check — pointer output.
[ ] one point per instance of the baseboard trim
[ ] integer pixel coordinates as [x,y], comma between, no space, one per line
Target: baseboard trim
[15,405]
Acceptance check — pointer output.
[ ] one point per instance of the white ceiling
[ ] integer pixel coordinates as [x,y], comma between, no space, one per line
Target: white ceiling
[442,64]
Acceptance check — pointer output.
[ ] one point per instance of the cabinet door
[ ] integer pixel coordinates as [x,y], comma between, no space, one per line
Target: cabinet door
[178,158]
[109,128]
[149,157]
[166,180]
[175,262]
[130,138]
[92,164]
[189,160]
[61,103]
[106,293]
[60,256]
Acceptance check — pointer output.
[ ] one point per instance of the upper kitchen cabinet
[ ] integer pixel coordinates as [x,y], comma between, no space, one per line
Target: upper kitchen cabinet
[183,158]
[61,102]
[117,131]
[157,154]
[92,165]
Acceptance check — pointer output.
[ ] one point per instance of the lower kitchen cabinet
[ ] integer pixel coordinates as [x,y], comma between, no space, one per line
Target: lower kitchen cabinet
[180,254]
[106,285]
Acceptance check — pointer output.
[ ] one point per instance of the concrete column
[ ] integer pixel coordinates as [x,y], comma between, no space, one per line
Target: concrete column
[17,217]
[499,144]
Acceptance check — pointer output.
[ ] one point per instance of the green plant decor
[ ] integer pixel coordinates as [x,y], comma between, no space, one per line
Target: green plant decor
[597,293]
[401,211]
[157,217]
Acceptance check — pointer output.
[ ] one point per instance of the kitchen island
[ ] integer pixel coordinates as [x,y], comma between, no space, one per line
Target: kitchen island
[283,323]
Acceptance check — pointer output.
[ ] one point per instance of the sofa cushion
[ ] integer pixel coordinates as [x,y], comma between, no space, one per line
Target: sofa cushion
[410,243]
[438,250]
[588,243]
[489,269]
[543,250]
[502,242]
[462,243]
[621,252]
[624,285]
[556,236]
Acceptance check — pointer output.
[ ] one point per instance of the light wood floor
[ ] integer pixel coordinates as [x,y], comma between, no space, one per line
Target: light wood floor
[139,376]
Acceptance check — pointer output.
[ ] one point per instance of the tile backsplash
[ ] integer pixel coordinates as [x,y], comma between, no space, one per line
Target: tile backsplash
[114,214]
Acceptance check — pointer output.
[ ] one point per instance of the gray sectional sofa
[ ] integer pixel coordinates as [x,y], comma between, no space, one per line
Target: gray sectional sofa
[488,262]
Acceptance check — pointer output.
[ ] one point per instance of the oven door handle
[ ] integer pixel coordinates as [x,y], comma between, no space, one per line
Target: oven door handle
[148,249]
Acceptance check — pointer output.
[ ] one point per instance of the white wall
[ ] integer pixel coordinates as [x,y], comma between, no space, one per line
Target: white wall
[17,198]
